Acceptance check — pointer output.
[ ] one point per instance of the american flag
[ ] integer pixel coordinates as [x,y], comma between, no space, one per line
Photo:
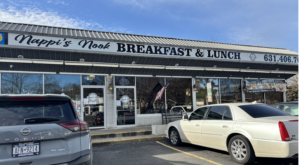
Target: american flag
[159,94]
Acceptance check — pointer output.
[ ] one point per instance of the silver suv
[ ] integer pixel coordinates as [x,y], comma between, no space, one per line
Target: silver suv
[42,129]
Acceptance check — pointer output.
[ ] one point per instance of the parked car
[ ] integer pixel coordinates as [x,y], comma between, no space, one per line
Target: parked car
[181,109]
[288,107]
[98,119]
[245,130]
[42,129]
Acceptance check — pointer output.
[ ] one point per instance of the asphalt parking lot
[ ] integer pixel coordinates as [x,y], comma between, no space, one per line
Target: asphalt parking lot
[162,153]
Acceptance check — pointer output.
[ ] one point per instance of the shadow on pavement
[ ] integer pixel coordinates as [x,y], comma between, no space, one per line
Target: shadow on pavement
[258,161]
[145,153]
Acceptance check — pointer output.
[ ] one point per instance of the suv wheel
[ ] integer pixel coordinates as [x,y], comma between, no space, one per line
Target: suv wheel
[174,137]
[241,150]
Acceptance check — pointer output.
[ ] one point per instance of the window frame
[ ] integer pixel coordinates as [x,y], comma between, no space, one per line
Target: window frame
[204,117]
[222,114]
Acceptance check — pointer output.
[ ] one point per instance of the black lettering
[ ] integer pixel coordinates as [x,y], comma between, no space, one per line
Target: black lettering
[121,47]
[237,55]
[217,55]
[199,53]
[85,43]
[229,53]
[23,38]
[130,48]
[100,46]
[36,41]
[94,46]
[188,52]
[158,49]
[106,46]
[149,49]
[58,42]
[166,50]
[51,42]
[209,55]
[42,42]
[67,43]
[180,52]
[140,48]
[173,51]
[223,54]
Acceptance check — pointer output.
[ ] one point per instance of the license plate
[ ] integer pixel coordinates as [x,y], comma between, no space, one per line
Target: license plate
[25,149]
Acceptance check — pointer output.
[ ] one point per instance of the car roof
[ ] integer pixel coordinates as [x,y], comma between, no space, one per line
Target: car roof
[47,96]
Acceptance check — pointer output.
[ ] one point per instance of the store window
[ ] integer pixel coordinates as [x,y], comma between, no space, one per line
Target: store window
[124,81]
[64,84]
[230,91]
[179,92]
[274,97]
[251,97]
[125,105]
[93,80]
[17,83]
[146,92]
[207,92]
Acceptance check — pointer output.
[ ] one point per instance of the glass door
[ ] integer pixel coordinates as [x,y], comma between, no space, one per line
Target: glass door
[93,106]
[125,105]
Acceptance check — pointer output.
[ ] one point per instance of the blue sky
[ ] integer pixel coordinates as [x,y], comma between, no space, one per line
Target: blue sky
[271,23]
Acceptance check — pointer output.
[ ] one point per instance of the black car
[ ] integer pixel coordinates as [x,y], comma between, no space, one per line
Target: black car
[288,107]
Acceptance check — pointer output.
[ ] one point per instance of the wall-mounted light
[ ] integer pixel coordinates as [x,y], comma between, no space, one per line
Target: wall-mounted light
[110,87]
[195,87]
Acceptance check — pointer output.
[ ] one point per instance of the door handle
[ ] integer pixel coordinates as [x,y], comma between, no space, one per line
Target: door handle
[197,125]
[225,126]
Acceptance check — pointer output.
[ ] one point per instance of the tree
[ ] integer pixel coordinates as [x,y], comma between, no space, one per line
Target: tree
[292,91]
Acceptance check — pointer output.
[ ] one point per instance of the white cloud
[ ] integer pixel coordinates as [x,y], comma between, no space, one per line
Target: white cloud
[243,35]
[57,2]
[147,4]
[34,15]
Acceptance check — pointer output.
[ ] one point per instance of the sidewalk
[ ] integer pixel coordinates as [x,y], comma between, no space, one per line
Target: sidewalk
[123,135]
[121,130]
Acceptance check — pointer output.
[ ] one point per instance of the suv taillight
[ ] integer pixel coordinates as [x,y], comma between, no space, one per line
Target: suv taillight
[75,125]
[283,132]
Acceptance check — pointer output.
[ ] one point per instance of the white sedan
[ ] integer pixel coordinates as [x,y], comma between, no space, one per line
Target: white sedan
[245,130]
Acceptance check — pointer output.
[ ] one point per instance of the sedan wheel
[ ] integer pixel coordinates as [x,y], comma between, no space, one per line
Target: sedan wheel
[174,137]
[241,150]
[238,149]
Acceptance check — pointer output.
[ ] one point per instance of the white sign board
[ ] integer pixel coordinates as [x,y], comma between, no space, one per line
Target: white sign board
[121,48]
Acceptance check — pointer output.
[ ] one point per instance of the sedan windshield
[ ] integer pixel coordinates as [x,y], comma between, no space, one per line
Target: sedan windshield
[260,110]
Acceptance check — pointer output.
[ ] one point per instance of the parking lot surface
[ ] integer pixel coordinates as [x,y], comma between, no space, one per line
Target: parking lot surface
[162,153]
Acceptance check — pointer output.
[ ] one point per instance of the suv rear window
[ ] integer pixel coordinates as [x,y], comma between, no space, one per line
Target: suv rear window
[257,111]
[14,112]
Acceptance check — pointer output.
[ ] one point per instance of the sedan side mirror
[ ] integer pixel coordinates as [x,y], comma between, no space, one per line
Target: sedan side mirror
[185,116]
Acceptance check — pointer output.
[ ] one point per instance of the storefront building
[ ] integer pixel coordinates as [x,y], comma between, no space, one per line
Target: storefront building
[118,80]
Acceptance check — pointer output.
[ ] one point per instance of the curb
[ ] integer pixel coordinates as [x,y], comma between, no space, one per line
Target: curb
[121,134]
[126,141]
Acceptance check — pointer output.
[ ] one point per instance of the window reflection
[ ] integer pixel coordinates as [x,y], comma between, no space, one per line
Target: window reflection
[146,91]
[230,91]
[274,97]
[205,96]
[124,81]
[179,92]
[125,106]
[64,84]
[93,80]
[17,83]
[251,97]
